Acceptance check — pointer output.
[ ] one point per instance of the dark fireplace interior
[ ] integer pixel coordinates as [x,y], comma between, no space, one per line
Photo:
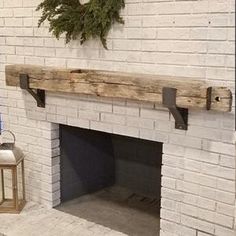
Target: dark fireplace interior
[111,180]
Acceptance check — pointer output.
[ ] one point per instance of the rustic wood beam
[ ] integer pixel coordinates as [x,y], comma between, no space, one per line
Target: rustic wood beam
[190,93]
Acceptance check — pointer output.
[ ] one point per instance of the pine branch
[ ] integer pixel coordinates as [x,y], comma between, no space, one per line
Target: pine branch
[85,21]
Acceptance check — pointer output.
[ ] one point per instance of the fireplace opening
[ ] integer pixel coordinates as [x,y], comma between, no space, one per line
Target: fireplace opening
[111,180]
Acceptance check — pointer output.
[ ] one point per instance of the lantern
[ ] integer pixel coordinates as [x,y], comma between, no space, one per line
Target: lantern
[12,185]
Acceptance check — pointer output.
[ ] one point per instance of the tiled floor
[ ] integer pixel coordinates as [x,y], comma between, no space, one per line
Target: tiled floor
[36,220]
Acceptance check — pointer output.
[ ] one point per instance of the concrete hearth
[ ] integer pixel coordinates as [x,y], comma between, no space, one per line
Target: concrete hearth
[114,207]
[54,223]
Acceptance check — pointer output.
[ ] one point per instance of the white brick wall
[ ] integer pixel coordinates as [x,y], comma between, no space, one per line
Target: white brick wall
[181,38]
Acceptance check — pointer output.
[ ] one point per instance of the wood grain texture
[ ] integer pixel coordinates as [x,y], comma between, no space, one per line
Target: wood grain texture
[190,93]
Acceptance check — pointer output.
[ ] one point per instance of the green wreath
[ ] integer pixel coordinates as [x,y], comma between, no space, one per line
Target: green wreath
[90,20]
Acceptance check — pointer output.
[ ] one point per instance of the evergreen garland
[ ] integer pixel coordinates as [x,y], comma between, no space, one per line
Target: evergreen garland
[89,20]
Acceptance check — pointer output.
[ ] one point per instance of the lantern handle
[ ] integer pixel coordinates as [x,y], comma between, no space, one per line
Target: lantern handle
[9,131]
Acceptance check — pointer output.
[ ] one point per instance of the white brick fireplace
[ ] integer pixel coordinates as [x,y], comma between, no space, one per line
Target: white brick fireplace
[180,38]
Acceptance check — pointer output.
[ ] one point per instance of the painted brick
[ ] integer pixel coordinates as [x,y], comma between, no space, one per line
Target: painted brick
[153,135]
[189,210]
[154,114]
[224,220]
[112,118]
[199,178]
[222,231]
[174,149]
[170,215]
[140,123]
[225,209]
[168,182]
[201,155]
[131,111]
[206,203]
[126,130]
[78,122]
[207,215]
[90,115]
[219,147]
[225,197]
[169,204]
[227,161]
[6,12]
[172,194]
[227,185]
[101,126]
[199,233]
[185,141]
[198,224]
[172,161]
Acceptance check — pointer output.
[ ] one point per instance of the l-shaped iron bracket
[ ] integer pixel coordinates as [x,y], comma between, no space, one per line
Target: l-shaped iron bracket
[39,95]
[180,114]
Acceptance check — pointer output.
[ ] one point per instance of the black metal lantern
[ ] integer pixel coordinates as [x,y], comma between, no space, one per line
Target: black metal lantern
[12,184]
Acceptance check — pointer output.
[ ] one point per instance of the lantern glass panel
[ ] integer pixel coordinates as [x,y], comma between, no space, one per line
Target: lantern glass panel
[20,183]
[1,187]
[6,194]
[8,185]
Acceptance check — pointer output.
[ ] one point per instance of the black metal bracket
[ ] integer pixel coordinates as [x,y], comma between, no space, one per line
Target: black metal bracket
[39,95]
[208,97]
[180,114]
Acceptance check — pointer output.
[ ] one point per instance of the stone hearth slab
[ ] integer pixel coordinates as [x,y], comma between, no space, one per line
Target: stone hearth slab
[37,220]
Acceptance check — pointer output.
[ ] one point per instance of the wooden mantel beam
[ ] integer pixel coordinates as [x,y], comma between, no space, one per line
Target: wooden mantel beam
[190,93]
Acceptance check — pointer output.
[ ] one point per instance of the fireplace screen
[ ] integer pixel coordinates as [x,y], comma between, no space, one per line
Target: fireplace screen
[111,180]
